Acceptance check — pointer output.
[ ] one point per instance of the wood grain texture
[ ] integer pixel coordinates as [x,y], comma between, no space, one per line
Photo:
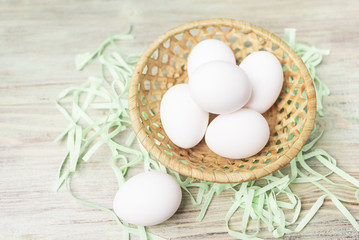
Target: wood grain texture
[39,40]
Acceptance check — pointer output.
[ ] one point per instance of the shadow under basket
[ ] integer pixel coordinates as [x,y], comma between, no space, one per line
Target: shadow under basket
[163,65]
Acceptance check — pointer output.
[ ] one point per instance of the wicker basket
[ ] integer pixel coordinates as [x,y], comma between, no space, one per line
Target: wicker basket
[163,65]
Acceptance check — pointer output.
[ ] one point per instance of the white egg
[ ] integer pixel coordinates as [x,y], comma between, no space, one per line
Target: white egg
[209,50]
[220,87]
[265,73]
[147,199]
[184,122]
[238,135]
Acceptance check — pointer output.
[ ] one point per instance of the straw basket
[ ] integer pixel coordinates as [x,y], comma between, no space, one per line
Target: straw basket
[163,65]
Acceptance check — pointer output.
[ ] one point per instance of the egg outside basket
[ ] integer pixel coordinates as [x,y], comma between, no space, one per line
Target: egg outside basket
[163,65]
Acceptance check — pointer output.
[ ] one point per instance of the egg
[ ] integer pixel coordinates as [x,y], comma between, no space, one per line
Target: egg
[147,199]
[184,122]
[220,87]
[265,73]
[237,135]
[206,51]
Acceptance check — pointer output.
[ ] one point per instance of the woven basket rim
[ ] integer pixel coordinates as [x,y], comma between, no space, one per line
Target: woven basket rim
[206,175]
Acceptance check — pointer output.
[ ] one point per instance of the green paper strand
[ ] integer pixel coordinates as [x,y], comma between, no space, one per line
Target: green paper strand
[98,115]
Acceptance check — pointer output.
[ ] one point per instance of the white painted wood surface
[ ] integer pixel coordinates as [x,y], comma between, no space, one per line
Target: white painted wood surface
[38,42]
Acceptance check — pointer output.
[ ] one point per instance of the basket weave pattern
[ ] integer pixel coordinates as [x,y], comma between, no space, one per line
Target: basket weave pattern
[163,65]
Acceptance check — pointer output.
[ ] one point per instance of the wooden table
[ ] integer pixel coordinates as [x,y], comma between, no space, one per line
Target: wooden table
[38,42]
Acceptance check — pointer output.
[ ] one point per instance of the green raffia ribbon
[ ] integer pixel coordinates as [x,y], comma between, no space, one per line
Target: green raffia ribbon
[260,200]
